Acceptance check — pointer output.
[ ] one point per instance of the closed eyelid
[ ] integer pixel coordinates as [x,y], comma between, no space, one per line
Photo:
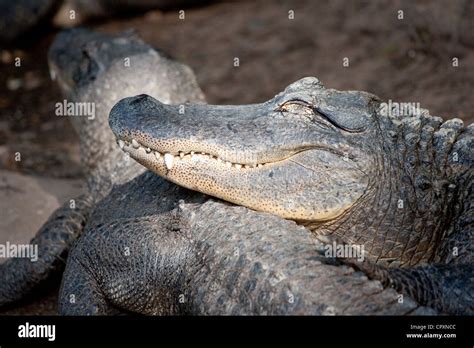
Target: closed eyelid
[282,106]
[320,115]
[325,121]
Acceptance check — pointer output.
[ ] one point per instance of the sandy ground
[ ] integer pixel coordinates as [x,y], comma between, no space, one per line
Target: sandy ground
[408,60]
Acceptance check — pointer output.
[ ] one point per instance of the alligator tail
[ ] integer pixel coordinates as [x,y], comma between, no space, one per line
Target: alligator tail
[19,277]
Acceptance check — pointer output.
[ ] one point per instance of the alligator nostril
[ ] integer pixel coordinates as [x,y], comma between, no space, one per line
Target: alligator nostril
[138,98]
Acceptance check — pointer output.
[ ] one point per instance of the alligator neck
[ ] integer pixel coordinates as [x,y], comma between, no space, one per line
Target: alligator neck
[105,164]
[412,206]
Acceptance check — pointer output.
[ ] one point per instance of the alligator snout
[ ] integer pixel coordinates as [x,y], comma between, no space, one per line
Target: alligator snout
[127,114]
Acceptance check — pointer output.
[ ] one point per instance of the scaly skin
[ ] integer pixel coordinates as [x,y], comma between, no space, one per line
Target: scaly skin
[90,67]
[161,249]
[400,186]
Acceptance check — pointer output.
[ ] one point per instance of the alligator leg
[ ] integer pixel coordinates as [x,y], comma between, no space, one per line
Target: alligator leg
[21,276]
[135,265]
[447,288]
[80,293]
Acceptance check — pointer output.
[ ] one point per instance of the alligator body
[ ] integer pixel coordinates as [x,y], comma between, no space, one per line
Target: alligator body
[160,249]
[399,185]
[98,69]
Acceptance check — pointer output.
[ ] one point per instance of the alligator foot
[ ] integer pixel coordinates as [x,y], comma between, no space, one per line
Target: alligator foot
[446,288]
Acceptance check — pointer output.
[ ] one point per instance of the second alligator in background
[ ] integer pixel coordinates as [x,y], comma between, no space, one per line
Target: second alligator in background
[98,69]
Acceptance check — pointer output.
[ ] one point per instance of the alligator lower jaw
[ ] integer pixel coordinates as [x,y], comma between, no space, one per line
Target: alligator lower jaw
[141,153]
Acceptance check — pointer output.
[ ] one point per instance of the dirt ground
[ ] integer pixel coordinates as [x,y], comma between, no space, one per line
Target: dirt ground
[412,59]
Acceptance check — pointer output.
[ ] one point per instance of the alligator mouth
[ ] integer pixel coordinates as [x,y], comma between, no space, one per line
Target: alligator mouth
[248,184]
[167,160]
[140,151]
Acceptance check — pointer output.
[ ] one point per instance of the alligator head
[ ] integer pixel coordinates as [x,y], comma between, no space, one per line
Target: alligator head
[94,71]
[304,155]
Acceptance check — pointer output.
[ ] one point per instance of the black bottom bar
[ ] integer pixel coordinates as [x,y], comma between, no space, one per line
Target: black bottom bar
[223,330]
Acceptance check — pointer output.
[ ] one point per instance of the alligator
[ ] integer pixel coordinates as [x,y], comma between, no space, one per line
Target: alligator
[96,68]
[145,245]
[338,163]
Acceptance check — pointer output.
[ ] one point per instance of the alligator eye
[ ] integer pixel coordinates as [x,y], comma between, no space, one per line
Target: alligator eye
[300,108]
[297,107]
[87,70]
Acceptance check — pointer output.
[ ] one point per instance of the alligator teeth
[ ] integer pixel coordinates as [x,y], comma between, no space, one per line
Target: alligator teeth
[169,159]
